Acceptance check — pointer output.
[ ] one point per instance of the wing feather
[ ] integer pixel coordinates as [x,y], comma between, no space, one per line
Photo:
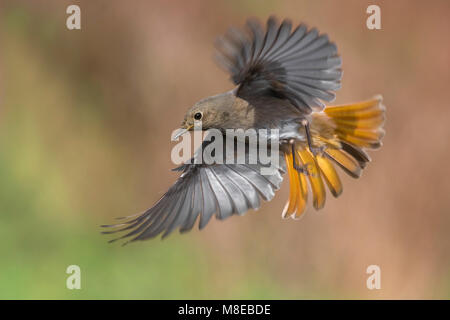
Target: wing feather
[205,190]
[265,61]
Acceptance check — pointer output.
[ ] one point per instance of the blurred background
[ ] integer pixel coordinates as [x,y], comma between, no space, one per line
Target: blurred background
[85,123]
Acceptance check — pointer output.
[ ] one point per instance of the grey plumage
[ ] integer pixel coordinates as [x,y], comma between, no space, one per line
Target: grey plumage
[224,189]
[281,63]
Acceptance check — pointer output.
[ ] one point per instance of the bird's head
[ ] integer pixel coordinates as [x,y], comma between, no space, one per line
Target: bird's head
[209,113]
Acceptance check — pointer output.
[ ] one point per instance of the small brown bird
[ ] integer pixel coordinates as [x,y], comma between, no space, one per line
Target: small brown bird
[282,77]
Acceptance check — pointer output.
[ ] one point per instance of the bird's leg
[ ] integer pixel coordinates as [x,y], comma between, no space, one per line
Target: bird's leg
[302,169]
[315,151]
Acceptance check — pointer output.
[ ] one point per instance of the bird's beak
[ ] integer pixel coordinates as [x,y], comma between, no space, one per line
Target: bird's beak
[181,131]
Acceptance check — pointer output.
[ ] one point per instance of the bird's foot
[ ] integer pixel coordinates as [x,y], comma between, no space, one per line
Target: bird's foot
[305,169]
[317,150]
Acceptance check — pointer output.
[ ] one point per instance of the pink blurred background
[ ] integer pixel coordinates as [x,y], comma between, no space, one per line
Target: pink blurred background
[102,102]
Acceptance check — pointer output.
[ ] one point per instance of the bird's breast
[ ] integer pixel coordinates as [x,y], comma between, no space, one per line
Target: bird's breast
[292,130]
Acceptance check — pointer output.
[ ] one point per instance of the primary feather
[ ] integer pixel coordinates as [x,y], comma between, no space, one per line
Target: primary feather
[301,66]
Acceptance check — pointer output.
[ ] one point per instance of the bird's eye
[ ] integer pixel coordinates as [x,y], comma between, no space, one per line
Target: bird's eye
[198,116]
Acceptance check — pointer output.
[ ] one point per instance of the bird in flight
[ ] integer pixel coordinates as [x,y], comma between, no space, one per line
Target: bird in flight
[283,76]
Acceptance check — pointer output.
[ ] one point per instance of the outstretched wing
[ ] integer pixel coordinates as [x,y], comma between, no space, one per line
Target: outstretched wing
[202,190]
[302,66]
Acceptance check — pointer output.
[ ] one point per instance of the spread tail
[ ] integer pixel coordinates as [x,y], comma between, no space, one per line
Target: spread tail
[343,132]
[359,124]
